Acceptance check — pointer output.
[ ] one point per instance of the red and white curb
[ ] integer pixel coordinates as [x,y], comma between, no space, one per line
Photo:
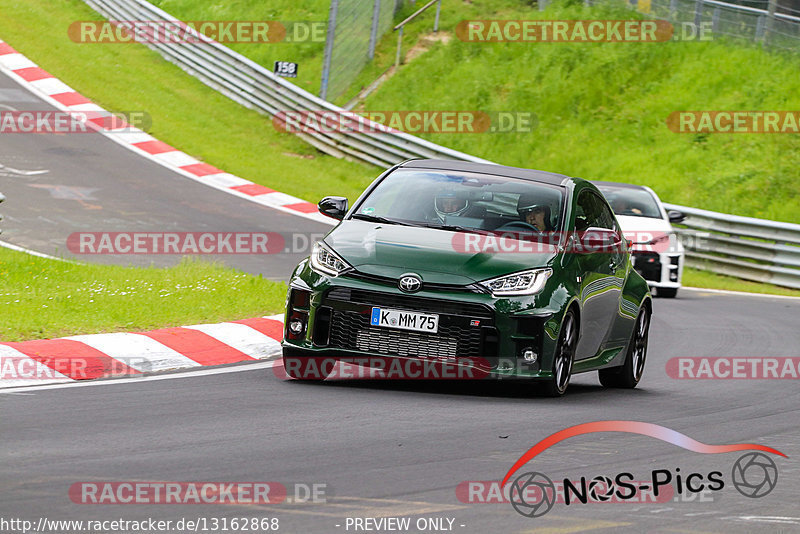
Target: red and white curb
[64,98]
[88,357]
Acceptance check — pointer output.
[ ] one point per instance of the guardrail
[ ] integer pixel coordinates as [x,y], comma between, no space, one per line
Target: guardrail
[753,249]
[255,87]
[776,26]
[744,247]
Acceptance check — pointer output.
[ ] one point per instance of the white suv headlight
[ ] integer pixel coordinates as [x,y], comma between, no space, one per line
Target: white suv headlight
[521,283]
[327,262]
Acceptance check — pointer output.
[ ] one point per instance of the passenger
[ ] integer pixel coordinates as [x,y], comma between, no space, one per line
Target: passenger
[449,204]
[535,214]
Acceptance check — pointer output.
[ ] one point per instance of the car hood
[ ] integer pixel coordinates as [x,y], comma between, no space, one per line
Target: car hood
[637,228]
[437,256]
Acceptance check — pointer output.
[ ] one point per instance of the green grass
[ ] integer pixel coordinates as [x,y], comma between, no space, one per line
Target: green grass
[601,110]
[697,278]
[45,298]
[308,54]
[185,113]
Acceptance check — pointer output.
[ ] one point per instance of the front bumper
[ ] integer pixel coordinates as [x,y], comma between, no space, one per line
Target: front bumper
[475,328]
[659,269]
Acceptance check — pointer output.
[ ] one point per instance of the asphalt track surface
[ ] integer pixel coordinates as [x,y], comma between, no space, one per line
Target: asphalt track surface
[383,449]
[387,449]
[93,184]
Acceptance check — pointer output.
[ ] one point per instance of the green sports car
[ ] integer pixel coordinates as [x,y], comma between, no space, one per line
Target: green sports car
[505,271]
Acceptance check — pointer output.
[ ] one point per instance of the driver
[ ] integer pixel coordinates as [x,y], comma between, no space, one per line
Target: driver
[535,214]
[623,207]
[449,203]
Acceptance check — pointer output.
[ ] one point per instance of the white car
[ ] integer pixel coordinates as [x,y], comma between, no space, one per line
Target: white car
[657,253]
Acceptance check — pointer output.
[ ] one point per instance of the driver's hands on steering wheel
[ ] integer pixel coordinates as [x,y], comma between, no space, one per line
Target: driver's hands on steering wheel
[518,224]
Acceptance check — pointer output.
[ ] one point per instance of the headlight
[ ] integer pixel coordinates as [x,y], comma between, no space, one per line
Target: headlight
[521,283]
[664,237]
[327,262]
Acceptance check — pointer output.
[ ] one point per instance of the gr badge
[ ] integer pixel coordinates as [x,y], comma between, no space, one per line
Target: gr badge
[285,69]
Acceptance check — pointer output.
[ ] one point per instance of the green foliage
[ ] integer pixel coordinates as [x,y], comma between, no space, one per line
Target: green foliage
[44,298]
[602,108]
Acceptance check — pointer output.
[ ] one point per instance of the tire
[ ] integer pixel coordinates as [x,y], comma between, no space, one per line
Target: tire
[297,368]
[564,356]
[667,292]
[630,373]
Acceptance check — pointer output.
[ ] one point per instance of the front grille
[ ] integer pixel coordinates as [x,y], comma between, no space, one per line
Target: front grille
[648,265]
[392,282]
[466,330]
[408,302]
[351,330]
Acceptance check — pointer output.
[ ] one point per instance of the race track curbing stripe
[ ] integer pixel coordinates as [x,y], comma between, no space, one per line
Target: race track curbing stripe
[105,355]
[241,337]
[137,351]
[198,346]
[93,356]
[61,96]
[70,357]
[20,360]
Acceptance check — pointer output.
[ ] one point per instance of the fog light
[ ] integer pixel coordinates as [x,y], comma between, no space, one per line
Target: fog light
[529,356]
[296,326]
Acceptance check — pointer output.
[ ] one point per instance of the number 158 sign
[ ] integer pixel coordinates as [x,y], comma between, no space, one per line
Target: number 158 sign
[286,69]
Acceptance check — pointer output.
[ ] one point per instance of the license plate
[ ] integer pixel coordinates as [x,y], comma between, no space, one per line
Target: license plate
[405,320]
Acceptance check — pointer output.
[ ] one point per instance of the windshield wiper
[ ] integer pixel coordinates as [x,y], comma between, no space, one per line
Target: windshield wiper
[377,219]
[455,228]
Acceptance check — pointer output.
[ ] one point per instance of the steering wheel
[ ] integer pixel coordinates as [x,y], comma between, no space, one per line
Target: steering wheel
[521,225]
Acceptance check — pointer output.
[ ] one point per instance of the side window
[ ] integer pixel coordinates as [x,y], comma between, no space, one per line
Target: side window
[592,212]
[605,218]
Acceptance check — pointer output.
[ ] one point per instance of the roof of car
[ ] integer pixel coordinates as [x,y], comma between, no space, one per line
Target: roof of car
[620,185]
[487,168]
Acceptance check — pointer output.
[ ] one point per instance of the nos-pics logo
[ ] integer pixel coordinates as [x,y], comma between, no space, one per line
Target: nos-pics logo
[533,494]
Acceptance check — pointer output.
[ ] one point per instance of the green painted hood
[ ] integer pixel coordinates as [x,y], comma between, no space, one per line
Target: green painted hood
[392,250]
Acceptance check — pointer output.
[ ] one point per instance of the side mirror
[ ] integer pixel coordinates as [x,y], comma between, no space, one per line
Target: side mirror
[676,216]
[596,239]
[333,207]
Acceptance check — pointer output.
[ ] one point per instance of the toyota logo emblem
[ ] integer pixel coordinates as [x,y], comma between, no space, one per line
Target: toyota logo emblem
[409,283]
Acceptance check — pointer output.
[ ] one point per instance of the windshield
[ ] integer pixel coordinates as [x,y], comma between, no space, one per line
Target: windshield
[464,201]
[631,202]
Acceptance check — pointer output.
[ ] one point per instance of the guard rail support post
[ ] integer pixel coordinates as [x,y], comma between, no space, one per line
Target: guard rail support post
[326,62]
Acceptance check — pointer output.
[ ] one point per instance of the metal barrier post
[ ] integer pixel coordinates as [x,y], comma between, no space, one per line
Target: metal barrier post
[402,24]
[326,64]
[399,44]
[698,13]
[373,35]
[773,4]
